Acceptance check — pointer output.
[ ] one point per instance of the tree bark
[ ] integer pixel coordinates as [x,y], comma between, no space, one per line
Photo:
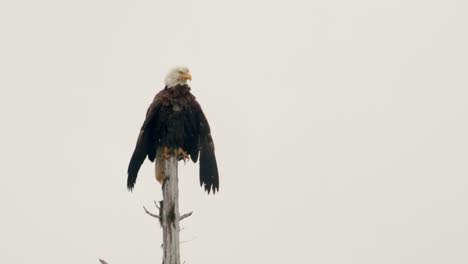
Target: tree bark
[170,212]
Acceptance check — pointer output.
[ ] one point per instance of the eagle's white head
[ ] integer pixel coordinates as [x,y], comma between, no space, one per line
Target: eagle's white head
[177,76]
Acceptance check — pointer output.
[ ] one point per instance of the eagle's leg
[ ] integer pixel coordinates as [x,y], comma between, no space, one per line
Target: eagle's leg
[181,154]
[161,154]
[160,169]
[166,152]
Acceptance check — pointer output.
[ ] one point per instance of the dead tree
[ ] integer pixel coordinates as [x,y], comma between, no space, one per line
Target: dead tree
[170,212]
[169,216]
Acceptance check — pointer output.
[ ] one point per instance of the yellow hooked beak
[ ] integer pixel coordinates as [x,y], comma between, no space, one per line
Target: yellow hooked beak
[187,75]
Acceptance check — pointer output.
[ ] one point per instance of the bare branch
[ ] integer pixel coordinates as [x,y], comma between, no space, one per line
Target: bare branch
[185,216]
[103,261]
[157,206]
[149,213]
[185,241]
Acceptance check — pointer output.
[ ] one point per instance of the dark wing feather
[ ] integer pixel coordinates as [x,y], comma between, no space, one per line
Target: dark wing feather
[209,177]
[145,145]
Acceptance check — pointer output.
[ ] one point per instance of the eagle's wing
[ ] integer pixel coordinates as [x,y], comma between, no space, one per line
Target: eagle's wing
[145,144]
[209,177]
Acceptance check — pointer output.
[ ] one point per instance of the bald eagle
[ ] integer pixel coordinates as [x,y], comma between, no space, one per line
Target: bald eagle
[175,124]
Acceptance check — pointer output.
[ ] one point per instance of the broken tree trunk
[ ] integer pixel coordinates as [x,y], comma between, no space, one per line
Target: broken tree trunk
[169,212]
[169,216]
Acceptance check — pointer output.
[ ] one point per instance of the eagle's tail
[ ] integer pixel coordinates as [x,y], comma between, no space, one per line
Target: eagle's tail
[208,168]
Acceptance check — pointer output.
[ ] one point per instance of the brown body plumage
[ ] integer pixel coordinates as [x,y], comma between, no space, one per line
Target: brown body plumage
[175,122]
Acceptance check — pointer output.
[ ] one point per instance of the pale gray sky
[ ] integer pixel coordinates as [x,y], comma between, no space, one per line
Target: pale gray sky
[340,129]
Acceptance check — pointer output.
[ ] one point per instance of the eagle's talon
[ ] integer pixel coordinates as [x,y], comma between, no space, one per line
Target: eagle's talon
[182,155]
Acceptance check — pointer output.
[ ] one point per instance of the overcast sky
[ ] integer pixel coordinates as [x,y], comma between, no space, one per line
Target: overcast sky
[340,130]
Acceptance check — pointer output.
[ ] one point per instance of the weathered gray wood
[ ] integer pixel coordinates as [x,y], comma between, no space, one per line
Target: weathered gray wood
[169,216]
[170,212]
